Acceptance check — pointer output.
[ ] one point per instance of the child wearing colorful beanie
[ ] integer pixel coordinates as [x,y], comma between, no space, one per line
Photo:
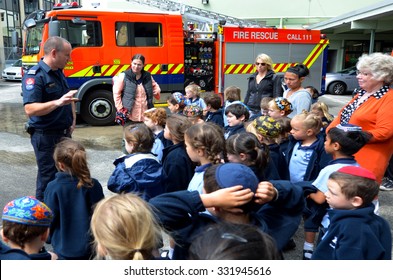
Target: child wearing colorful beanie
[279,107]
[176,103]
[194,113]
[25,228]
[355,231]
[268,132]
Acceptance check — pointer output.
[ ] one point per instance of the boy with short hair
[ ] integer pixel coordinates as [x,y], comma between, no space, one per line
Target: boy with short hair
[355,231]
[214,109]
[264,108]
[25,228]
[183,212]
[237,114]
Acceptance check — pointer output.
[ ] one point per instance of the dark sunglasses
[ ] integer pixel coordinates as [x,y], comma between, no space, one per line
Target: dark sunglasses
[262,63]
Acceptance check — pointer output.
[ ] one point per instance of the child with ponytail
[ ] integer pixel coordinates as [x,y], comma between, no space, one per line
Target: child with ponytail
[71,196]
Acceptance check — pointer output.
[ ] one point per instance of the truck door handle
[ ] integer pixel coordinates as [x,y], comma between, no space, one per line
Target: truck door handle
[164,67]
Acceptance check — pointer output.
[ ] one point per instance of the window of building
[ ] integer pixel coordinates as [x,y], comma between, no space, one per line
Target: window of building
[31,6]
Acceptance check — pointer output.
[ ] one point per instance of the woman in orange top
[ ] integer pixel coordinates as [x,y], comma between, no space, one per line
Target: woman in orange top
[372,109]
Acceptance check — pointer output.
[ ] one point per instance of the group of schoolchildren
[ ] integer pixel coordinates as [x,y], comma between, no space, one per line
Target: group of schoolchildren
[221,182]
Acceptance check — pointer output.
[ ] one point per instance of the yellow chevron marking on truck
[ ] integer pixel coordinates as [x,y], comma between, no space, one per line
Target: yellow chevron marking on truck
[112,69]
[82,73]
[314,54]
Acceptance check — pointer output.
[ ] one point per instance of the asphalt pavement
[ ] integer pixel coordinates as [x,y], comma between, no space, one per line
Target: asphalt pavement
[18,168]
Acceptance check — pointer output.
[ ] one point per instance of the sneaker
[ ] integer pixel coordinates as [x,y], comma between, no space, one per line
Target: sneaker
[387,184]
[307,254]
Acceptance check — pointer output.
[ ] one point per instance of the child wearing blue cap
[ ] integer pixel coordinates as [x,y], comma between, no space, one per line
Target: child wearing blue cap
[25,228]
[232,193]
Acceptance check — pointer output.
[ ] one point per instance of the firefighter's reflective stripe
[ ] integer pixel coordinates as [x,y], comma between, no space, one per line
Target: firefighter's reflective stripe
[278,67]
[113,70]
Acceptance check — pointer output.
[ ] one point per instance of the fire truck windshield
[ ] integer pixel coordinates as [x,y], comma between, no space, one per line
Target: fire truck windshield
[33,39]
[79,35]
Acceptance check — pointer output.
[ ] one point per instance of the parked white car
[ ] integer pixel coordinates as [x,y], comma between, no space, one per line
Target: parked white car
[14,72]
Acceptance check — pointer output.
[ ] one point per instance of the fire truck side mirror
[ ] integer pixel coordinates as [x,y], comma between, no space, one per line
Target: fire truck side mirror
[29,23]
[54,29]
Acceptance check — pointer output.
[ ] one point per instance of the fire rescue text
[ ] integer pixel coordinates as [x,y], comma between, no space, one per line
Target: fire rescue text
[255,35]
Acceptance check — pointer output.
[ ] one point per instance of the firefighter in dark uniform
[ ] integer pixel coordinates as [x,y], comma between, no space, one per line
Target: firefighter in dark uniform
[50,106]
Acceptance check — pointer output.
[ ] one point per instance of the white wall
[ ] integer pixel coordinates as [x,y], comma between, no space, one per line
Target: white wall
[281,8]
[280,13]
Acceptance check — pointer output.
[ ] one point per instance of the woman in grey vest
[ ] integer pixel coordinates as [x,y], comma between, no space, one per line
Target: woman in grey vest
[133,92]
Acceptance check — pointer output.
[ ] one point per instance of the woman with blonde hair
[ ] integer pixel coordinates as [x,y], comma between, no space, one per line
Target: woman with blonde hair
[264,82]
[124,228]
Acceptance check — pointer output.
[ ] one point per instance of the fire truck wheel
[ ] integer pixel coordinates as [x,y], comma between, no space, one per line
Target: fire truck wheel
[98,108]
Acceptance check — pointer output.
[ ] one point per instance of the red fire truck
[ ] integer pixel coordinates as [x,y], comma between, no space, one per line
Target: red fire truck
[178,51]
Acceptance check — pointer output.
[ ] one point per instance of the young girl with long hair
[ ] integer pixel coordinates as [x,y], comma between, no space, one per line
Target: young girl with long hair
[71,196]
[205,145]
[245,148]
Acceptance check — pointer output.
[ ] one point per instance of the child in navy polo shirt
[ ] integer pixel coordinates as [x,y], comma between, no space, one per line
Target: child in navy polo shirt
[306,155]
[355,231]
